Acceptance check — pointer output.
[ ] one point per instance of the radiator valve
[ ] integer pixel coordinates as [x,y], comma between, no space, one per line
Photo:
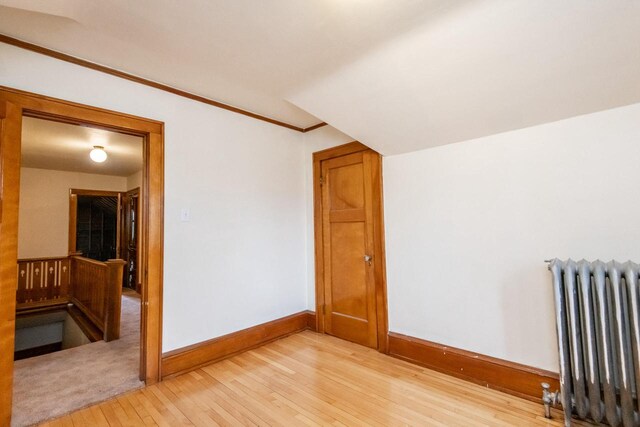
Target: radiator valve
[549,399]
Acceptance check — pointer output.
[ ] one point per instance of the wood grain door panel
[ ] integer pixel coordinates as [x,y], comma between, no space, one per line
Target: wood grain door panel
[348,289]
[349,283]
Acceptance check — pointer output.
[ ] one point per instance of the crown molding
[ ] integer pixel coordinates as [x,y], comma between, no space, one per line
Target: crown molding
[314,127]
[121,74]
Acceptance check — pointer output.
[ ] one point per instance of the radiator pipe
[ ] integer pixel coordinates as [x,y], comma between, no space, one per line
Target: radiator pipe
[549,399]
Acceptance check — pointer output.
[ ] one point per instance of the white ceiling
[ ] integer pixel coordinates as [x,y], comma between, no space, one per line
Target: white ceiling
[398,75]
[61,146]
[482,69]
[247,53]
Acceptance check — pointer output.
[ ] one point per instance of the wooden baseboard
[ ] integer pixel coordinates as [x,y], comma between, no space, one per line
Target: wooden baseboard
[194,356]
[311,320]
[513,378]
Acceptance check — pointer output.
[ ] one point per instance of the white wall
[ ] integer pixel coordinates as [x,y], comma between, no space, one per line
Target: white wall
[72,335]
[241,259]
[317,140]
[39,330]
[43,229]
[469,225]
[134,181]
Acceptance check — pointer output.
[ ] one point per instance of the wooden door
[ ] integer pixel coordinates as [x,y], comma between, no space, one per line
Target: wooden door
[95,223]
[10,130]
[98,227]
[352,259]
[130,237]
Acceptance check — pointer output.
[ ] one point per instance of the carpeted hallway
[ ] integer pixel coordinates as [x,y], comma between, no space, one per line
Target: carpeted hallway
[53,384]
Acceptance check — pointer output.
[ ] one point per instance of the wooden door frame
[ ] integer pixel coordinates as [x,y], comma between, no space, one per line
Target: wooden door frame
[73,215]
[380,274]
[34,105]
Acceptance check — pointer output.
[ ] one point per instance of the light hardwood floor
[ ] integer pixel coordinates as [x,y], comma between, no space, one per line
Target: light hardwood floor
[312,379]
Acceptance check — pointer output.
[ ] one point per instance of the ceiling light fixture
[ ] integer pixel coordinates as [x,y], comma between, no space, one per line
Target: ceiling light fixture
[98,154]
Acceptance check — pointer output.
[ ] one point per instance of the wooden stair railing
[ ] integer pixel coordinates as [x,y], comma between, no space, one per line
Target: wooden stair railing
[94,287]
[42,281]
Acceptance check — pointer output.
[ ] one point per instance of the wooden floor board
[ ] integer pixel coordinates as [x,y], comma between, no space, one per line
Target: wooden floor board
[310,379]
[415,379]
[350,400]
[359,390]
[299,390]
[214,392]
[127,413]
[66,422]
[371,386]
[313,408]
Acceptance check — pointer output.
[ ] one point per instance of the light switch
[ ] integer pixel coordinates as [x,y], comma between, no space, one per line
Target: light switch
[185,215]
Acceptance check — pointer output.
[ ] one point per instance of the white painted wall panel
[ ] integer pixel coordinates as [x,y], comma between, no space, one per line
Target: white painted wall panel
[240,261]
[44,208]
[469,225]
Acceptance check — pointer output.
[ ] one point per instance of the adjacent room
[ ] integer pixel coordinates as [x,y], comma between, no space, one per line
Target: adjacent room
[319,213]
[77,251]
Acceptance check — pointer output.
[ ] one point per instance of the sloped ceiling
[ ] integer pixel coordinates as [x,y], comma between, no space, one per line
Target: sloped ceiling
[398,75]
[482,69]
[247,53]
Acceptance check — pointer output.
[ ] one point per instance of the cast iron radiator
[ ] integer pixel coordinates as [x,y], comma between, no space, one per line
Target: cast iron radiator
[597,307]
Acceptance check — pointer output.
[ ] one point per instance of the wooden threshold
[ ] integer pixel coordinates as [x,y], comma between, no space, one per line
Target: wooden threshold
[194,356]
[509,377]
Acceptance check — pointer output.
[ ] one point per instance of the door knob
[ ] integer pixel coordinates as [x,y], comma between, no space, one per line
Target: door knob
[368,259]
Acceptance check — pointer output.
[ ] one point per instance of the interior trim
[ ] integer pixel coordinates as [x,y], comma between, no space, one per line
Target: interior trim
[10,131]
[314,127]
[503,375]
[192,357]
[112,71]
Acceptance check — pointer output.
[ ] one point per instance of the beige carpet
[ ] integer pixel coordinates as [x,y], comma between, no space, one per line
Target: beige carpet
[53,384]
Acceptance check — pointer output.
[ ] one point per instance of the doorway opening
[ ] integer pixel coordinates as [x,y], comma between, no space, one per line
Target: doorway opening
[105,225]
[86,325]
[70,282]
